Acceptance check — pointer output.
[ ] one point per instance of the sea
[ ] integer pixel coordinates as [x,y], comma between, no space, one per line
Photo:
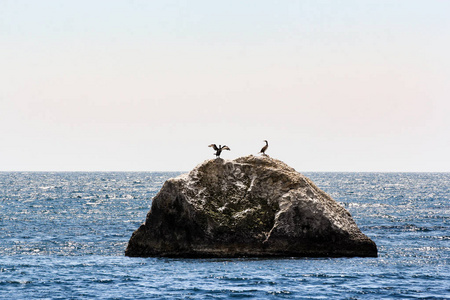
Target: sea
[63,236]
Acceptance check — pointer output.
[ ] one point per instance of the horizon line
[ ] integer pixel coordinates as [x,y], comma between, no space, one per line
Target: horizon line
[169,171]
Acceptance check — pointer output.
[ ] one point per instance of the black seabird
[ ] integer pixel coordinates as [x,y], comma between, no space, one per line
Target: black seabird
[263,149]
[219,149]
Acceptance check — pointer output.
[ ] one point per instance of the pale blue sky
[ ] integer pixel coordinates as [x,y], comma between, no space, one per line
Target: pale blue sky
[147,85]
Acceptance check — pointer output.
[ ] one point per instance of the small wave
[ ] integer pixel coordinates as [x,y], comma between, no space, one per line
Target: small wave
[407,227]
[47,187]
[279,293]
[16,282]
[364,205]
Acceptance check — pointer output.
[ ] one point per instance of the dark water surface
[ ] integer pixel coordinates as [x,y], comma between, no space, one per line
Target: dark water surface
[63,235]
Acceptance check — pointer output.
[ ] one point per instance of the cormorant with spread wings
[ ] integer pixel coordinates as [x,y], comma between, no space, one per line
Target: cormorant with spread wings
[219,149]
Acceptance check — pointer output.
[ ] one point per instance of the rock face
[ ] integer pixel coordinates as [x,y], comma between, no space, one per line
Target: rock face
[251,206]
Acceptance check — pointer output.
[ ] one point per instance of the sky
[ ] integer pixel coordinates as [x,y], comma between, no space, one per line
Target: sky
[353,86]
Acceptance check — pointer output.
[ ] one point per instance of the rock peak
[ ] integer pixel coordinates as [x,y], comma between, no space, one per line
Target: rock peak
[250,206]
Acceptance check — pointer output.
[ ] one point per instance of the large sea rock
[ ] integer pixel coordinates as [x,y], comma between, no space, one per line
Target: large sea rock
[253,206]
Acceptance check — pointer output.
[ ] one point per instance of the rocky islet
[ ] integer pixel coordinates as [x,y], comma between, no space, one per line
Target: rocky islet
[253,206]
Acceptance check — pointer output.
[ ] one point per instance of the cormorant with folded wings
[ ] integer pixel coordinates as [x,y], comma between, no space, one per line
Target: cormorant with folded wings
[263,149]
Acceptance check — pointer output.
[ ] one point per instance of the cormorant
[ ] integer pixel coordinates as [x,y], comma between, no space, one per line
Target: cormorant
[263,149]
[219,149]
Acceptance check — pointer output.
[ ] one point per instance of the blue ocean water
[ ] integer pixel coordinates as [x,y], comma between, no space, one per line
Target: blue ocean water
[63,236]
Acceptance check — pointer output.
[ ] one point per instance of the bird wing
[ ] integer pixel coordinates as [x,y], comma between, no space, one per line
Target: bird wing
[214,146]
[225,148]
